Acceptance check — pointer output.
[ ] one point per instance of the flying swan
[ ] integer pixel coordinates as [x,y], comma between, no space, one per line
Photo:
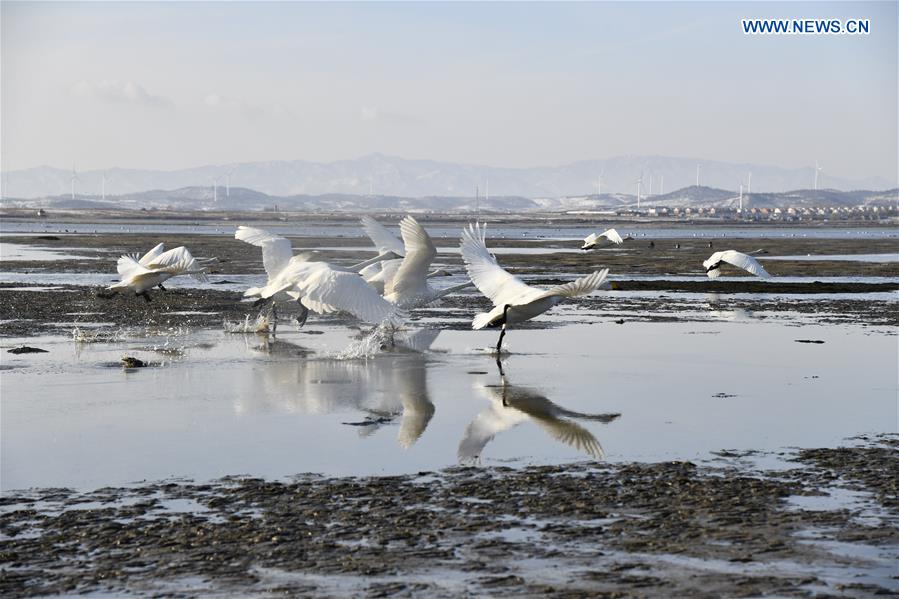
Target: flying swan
[592,240]
[738,259]
[409,287]
[381,275]
[513,300]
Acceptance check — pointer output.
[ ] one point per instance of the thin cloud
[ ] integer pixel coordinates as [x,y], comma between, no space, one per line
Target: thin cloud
[217,101]
[372,114]
[127,92]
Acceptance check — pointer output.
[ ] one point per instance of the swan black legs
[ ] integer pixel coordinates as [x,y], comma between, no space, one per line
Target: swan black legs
[502,333]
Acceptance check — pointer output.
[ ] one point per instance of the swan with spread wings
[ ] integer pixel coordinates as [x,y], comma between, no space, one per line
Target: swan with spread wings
[140,274]
[313,284]
[514,301]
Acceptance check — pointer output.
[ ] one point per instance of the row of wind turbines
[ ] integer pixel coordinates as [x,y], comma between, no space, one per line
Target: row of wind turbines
[216,180]
[661,190]
[105,178]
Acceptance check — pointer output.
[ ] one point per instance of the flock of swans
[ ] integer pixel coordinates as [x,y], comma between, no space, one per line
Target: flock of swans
[387,287]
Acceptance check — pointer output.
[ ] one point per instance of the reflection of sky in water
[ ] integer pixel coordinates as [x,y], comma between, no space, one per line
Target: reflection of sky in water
[838,258]
[29,253]
[227,405]
[351,228]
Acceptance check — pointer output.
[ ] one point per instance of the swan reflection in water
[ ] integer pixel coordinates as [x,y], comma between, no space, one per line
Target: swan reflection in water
[718,309]
[510,405]
[387,387]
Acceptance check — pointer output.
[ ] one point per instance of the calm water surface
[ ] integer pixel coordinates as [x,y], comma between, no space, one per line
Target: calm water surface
[236,404]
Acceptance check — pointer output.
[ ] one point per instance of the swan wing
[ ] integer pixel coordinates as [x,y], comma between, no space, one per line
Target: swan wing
[152,254]
[385,277]
[384,240]
[713,260]
[129,267]
[744,261]
[578,287]
[126,264]
[276,251]
[325,290]
[178,261]
[612,235]
[419,253]
[500,286]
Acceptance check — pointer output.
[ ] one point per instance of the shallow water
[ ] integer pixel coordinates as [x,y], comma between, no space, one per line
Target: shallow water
[876,258]
[351,228]
[221,404]
[30,253]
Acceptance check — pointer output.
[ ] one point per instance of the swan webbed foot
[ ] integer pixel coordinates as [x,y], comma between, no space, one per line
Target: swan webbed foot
[302,316]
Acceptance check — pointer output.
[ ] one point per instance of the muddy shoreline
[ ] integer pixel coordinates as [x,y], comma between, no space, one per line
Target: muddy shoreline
[25,313]
[578,530]
[100,251]
[60,310]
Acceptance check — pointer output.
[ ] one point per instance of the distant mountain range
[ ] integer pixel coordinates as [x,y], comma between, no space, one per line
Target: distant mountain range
[240,198]
[387,176]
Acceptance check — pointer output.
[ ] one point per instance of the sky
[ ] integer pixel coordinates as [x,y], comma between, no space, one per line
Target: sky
[177,85]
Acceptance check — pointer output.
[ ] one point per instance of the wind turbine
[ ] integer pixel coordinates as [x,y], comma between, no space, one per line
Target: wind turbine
[228,182]
[639,183]
[74,178]
[477,201]
[599,182]
[749,184]
[818,169]
[103,186]
[740,209]
[215,188]
[698,168]
[661,185]
[650,184]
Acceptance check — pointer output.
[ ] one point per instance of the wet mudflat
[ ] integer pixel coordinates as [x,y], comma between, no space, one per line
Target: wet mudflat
[583,529]
[680,255]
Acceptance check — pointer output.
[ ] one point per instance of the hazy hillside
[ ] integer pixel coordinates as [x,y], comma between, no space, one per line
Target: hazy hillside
[239,198]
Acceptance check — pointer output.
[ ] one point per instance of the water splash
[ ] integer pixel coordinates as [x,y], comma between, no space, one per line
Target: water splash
[375,342]
[80,335]
[261,324]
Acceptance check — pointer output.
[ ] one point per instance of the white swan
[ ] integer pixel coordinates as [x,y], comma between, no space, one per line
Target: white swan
[511,405]
[409,287]
[315,285]
[592,240]
[381,275]
[514,300]
[383,239]
[738,259]
[155,267]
